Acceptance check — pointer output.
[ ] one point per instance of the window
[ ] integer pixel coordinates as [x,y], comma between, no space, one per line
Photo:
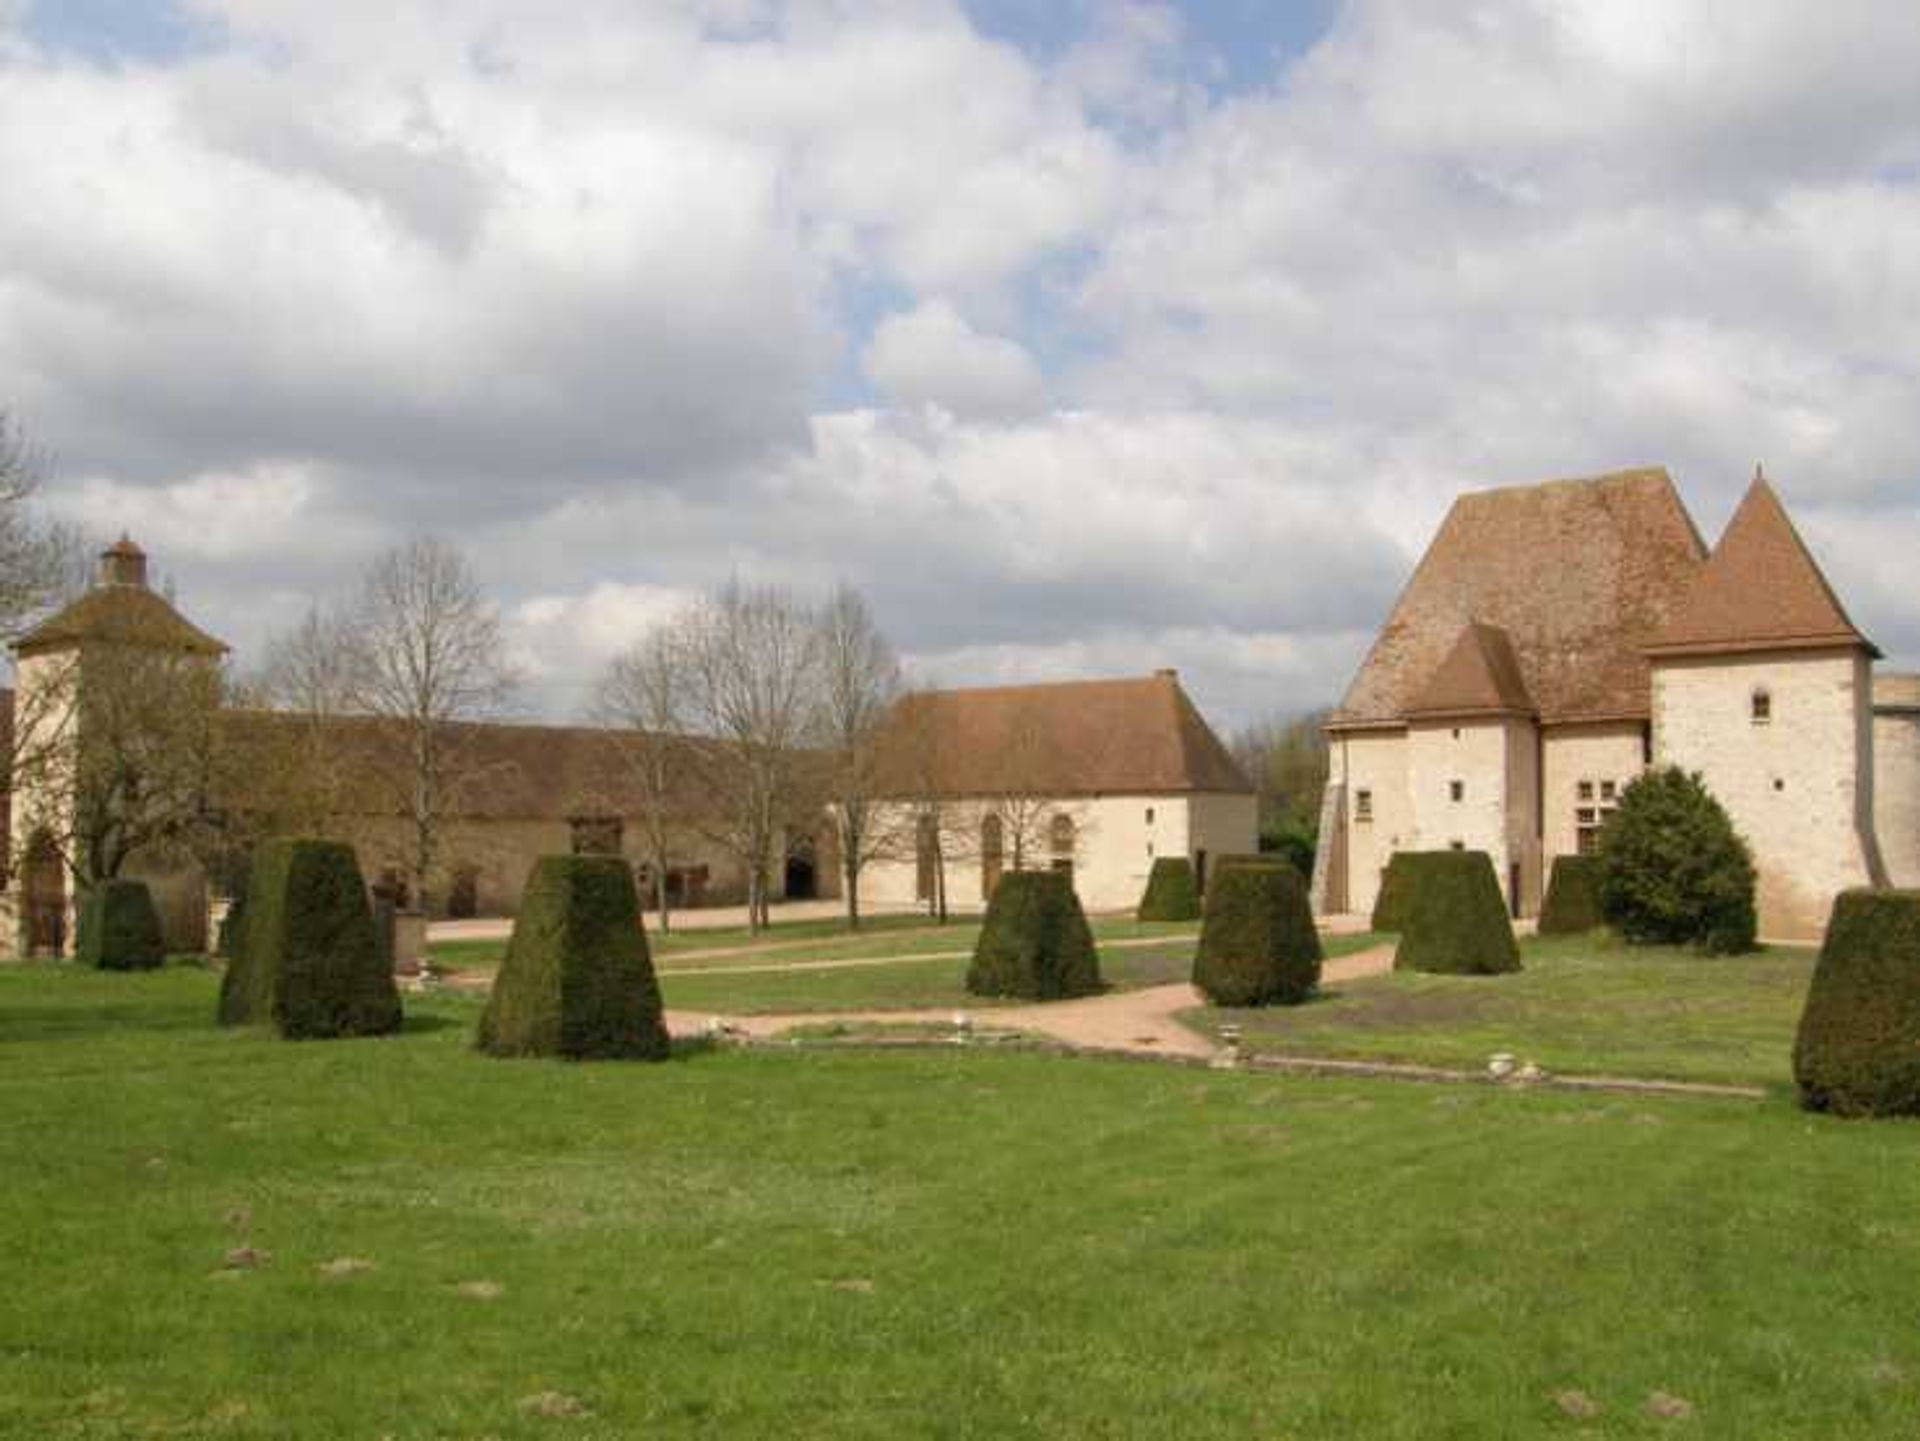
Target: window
[1457,790]
[1458,845]
[1762,706]
[1363,805]
[1060,835]
[597,835]
[1597,801]
[1149,815]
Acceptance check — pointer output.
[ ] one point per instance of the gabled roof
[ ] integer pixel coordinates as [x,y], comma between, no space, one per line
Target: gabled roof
[122,614]
[1480,676]
[1075,738]
[1760,590]
[1578,573]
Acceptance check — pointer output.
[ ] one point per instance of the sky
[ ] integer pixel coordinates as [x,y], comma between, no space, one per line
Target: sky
[1085,338]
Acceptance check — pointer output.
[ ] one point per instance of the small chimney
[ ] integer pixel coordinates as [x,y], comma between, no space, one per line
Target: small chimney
[123,563]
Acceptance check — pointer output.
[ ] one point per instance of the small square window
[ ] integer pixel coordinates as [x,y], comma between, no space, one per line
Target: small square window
[1457,789]
[1586,790]
[1459,845]
[1762,706]
[1584,815]
[1363,805]
[1606,790]
[1149,815]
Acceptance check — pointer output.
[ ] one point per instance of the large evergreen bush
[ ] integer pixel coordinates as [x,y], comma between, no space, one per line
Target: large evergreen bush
[307,962]
[1456,920]
[577,980]
[1572,906]
[1171,893]
[119,928]
[1258,945]
[1858,1050]
[1397,884]
[1673,871]
[1035,942]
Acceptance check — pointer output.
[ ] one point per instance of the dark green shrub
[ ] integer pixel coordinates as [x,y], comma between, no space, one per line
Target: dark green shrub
[1171,894]
[1035,942]
[1397,884]
[307,962]
[1456,918]
[1572,906]
[1673,871]
[119,928]
[1858,1050]
[577,980]
[1258,946]
[1286,838]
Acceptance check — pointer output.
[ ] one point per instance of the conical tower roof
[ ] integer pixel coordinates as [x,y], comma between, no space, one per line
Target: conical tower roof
[1760,590]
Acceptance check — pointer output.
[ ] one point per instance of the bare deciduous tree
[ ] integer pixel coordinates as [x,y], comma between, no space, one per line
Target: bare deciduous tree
[1027,799]
[309,678]
[427,653]
[926,825]
[644,696]
[37,560]
[859,683]
[752,664]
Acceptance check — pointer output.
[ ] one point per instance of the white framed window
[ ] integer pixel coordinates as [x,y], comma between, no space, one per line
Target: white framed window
[1596,801]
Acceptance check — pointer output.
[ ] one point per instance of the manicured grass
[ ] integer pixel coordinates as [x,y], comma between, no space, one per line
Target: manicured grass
[1586,1004]
[932,1243]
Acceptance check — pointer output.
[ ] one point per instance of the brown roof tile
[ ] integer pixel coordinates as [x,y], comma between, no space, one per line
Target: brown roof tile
[1760,590]
[128,614]
[1480,676]
[1074,738]
[1578,573]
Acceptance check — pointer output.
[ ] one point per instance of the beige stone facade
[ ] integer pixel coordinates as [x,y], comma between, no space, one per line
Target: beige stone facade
[1558,639]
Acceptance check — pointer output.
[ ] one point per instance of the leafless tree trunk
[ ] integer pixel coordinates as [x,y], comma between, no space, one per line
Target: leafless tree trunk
[753,663]
[1028,800]
[427,653]
[643,694]
[310,677]
[859,683]
[928,826]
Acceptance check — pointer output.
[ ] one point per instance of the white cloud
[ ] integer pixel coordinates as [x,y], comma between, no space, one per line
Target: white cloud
[930,355]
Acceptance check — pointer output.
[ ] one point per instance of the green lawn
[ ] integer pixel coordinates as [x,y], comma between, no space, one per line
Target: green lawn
[1585,1004]
[934,1243]
[797,941]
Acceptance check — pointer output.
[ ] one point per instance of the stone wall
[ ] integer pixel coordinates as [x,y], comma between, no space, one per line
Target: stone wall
[1373,767]
[1798,785]
[1896,775]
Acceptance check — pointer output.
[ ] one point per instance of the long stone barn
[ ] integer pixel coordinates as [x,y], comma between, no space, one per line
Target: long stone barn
[1558,639]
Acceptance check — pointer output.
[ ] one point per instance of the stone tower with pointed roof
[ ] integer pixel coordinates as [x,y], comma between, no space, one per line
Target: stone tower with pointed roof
[119,613]
[1558,638]
[1762,684]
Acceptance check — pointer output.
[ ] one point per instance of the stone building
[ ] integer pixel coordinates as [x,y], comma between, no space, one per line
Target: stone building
[525,791]
[1558,639]
[1096,778]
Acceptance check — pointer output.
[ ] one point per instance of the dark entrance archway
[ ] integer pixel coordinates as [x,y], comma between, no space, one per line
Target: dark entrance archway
[43,896]
[803,873]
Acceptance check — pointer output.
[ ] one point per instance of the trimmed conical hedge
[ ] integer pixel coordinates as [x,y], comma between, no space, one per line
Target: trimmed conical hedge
[119,928]
[577,980]
[1572,906]
[1396,885]
[306,960]
[1171,893]
[1456,918]
[1858,1050]
[1035,942]
[1258,945]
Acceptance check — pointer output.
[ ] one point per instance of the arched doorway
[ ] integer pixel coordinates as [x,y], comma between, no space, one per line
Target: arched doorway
[993,845]
[43,895]
[803,872]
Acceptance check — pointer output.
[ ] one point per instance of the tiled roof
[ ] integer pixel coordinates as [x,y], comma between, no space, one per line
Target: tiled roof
[1579,574]
[1480,676]
[126,614]
[1075,738]
[1760,590]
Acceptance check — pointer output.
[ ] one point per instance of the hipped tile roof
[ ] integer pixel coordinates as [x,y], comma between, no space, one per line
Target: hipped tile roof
[125,614]
[1075,738]
[1760,590]
[1579,574]
[1480,676]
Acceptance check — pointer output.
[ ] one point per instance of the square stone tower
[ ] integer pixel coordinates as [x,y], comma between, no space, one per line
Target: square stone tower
[1763,685]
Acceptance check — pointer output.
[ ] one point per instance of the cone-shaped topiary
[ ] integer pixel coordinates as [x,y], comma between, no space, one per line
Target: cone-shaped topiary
[1673,871]
[1456,918]
[577,980]
[1258,946]
[1572,906]
[119,929]
[1171,894]
[1858,1051]
[307,962]
[1035,942]
[1396,884]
